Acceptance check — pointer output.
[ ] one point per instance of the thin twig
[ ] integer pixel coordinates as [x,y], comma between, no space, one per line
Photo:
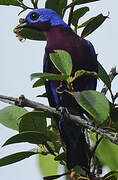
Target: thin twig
[70,14]
[34,3]
[96,145]
[22,5]
[112,74]
[49,149]
[23,102]
[110,129]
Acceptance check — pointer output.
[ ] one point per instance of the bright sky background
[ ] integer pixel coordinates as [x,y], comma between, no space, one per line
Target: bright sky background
[19,60]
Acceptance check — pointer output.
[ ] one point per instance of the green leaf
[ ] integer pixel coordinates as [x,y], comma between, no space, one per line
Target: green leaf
[60,157]
[32,34]
[107,153]
[54,138]
[93,25]
[10,2]
[54,146]
[77,14]
[38,83]
[48,168]
[13,158]
[42,95]
[67,177]
[114,117]
[54,125]
[94,103]
[79,73]
[33,121]
[34,76]
[9,116]
[49,76]
[31,137]
[56,5]
[62,61]
[78,2]
[103,75]
[85,23]
[83,72]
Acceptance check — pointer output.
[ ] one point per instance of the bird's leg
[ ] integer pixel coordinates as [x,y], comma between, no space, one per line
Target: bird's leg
[60,90]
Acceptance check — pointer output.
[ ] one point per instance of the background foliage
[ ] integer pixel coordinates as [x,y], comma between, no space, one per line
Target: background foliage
[18,118]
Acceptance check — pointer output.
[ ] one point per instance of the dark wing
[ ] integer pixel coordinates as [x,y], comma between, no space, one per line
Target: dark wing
[72,135]
[50,85]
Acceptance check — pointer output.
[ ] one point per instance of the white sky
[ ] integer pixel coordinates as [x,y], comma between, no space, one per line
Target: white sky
[19,60]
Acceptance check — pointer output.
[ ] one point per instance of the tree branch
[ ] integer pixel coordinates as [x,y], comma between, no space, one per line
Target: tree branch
[112,74]
[87,123]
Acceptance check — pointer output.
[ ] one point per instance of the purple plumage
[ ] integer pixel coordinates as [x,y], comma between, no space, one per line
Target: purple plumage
[82,58]
[60,36]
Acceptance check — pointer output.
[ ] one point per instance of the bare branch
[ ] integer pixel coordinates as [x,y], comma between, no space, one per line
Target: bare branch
[22,5]
[112,74]
[87,123]
[34,3]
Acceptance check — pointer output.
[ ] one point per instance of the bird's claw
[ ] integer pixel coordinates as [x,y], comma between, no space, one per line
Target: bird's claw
[64,111]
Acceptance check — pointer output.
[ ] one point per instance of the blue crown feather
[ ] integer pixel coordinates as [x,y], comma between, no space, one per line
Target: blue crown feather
[45,15]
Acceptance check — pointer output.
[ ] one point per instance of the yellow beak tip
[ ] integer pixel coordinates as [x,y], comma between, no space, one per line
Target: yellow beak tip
[15,31]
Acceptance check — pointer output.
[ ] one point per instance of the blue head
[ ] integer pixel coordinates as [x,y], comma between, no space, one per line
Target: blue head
[42,19]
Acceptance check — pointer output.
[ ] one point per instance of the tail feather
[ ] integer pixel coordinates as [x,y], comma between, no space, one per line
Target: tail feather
[79,155]
[76,145]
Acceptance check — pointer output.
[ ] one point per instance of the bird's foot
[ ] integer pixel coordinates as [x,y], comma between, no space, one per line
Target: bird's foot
[64,111]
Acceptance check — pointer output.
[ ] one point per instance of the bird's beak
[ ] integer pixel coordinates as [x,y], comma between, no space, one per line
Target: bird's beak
[22,25]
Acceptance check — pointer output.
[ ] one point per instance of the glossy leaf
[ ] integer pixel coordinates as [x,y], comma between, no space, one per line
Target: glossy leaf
[31,137]
[67,177]
[94,103]
[103,75]
[77,14]
[54,125]
[107,153]
[33,121]
[34,76]
[32,34]
[10,2]
[79,73]
[85,23]
[93,25]
[38,83]
[42,95]
[56,5]
[62,61]
[78,2]
[49,76]
[9,116]
[54,139]
[48,168]
[114,117]
[60,157]
[55,146]
[13,158]
[83,72]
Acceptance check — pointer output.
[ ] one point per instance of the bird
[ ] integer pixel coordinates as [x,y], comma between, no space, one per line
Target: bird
[60,36]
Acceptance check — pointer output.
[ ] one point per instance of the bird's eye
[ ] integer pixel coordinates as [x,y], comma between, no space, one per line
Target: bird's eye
[34,16]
